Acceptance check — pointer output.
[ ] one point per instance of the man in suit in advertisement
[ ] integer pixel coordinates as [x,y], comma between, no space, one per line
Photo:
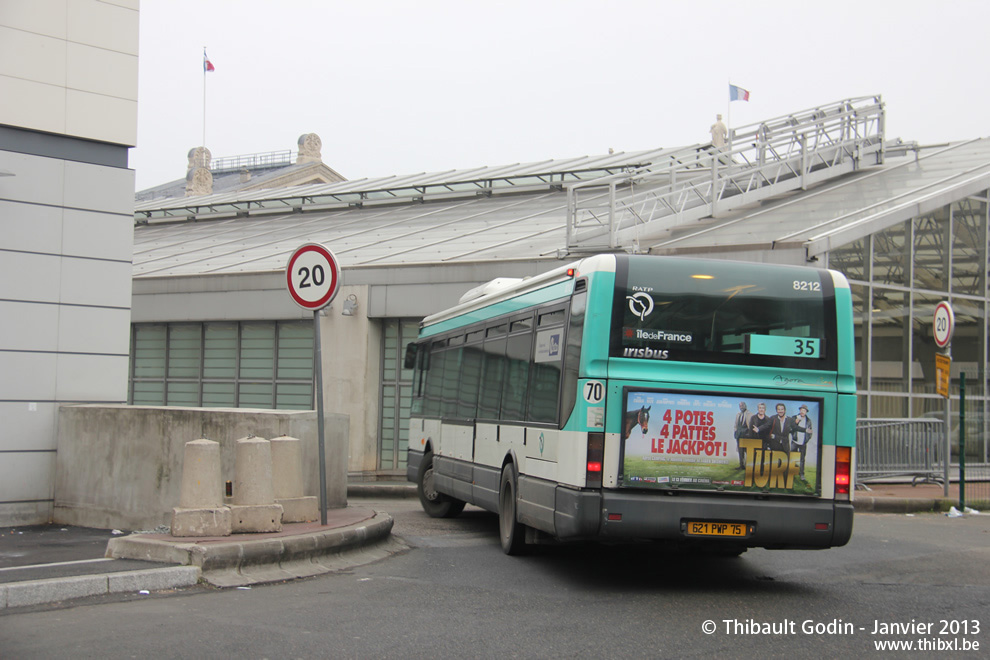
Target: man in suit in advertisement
[801,432]
[741,431]
[759,425]
[780,430]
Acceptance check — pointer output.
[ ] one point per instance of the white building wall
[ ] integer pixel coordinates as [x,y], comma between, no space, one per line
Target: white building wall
[68,112]
[70,67]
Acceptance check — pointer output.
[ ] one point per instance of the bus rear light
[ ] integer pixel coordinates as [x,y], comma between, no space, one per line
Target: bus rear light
[821,527]
[843,471]
[596,456]
[615,517]
[571,272]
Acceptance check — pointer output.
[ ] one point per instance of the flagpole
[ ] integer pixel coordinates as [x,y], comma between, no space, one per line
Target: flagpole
[204,97]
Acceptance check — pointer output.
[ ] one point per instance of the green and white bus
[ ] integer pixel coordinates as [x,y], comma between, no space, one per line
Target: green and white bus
[701,402]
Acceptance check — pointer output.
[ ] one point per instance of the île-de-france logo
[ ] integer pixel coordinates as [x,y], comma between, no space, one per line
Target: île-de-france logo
[640,304]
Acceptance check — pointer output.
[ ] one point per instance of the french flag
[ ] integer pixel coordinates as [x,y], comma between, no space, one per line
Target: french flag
[208,65]
[738,93]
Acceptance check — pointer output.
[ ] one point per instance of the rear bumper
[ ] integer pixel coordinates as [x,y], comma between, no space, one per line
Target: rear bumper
[781,523]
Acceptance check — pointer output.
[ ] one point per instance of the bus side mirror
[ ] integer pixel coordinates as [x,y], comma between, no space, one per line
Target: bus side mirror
[412,350]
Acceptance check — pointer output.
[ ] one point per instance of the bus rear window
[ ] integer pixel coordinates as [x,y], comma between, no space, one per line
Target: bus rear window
[721,311]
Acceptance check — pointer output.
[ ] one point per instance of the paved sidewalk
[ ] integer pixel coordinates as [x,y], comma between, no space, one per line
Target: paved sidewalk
[906,498]
[43,564]
[299,550]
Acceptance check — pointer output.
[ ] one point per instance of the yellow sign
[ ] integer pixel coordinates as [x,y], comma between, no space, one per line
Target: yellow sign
[943,364]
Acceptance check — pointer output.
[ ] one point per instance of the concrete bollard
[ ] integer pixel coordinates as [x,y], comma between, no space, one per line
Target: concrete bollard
[287,481]
[200,475]
[254,508]
[201,511]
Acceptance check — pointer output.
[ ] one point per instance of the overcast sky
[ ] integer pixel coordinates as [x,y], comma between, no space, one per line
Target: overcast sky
[407,86]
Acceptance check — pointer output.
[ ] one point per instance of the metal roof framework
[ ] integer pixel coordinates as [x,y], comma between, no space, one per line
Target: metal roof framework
[760,161]
[522,212]
[396,189]
[840,213]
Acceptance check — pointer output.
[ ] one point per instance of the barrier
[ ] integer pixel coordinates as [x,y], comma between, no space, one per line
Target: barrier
[254,508]
[201,511]
[900,447]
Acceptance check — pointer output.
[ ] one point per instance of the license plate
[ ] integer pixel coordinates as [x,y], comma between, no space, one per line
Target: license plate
[715,529]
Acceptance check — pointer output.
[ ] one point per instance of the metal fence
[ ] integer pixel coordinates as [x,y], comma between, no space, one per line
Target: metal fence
[915,448]
[252,161]
[900,448]
[974,487]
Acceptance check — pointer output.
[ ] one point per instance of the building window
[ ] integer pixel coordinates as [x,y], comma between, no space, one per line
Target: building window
[258,364]
[397,384]
[898,275]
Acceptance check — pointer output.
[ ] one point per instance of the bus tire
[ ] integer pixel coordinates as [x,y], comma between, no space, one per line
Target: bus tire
[512,533]
[436,505]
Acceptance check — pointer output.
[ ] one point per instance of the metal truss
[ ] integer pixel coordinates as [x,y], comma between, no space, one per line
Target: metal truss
[760,161]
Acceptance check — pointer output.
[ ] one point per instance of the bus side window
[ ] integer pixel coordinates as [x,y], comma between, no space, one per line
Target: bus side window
[467,391]
[434,380]
[451,372]
[518,351]
[493,371]
[572,351]
[544,387]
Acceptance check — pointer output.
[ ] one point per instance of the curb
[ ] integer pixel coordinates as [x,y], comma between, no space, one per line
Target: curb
[220,563]
[227,555]
[37,592]
[867,504]
[386,491]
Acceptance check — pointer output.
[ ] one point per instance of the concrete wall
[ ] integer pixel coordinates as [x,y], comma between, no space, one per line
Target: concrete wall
[121,466]
[352,345]
[68,112]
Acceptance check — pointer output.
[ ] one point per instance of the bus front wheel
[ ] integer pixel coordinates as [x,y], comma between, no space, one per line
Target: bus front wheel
[512,534]
[436,504]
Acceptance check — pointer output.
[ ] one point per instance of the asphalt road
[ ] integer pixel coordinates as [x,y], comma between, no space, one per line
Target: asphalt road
[453,594]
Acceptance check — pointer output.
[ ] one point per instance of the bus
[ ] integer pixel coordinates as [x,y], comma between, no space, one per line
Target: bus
[708,404]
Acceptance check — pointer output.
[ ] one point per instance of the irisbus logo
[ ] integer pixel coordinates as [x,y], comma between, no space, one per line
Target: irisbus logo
[648,353]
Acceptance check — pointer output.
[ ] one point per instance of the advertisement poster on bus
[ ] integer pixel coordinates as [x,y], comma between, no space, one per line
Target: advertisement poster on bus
[691,440]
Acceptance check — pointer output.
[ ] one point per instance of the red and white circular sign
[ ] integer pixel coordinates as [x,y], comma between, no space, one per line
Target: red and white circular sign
[312,276]
[944,324]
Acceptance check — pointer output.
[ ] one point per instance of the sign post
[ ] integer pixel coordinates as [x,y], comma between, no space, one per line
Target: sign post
[943,326]
[313,279]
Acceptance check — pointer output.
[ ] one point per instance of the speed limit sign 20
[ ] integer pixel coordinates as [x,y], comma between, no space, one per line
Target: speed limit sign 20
[943,324]
[312,276]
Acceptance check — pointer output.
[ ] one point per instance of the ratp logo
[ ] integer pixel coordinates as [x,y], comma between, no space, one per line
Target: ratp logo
[640,304]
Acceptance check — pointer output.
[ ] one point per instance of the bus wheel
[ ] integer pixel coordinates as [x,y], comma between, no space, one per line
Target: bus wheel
[512,534]
[436,505]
